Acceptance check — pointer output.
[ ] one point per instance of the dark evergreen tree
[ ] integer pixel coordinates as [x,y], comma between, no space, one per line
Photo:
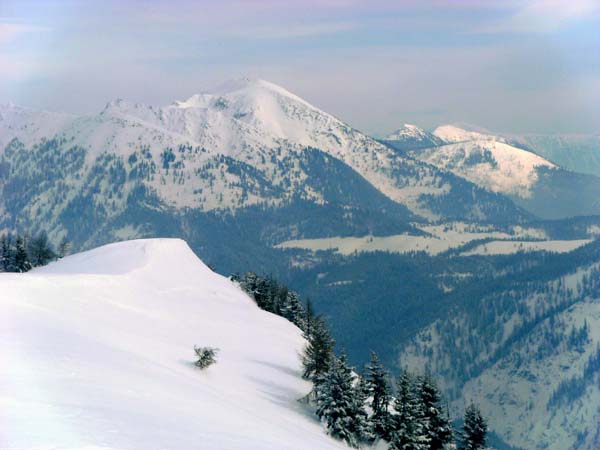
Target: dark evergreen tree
[409,431]
[309,317]
[380,392]
[293,310]
[21,258]
[336,402]
[474,432]
[437,424]
[40,250]
[318,354]
[6,253]
[362,425]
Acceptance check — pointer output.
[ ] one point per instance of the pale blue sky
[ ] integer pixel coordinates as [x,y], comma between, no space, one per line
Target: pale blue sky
[507,65]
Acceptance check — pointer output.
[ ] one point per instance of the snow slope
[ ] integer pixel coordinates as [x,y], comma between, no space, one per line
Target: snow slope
[98,352]
[486,161]
[452,133]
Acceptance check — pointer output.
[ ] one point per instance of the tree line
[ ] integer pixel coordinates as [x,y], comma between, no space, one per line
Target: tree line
[21,253]
[363,408]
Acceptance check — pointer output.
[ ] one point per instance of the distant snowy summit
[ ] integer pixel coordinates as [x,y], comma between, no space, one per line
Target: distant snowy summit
[244,143]
[454,134]
[410,137]
[486,160]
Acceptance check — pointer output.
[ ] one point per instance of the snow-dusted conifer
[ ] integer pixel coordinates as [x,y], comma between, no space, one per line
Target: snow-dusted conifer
[293,310]
[40,250]
[336,402]
[318,354]
[379,390]
[409,422]
[309,317]
[437,424]
[6,253]
[21,258]
[474,432]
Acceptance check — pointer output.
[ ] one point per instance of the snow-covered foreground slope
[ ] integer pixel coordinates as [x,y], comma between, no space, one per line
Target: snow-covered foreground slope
[97,350]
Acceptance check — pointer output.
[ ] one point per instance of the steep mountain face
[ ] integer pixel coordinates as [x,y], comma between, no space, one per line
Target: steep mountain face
[532,182]
[101,355]
[527,348]
[247,144]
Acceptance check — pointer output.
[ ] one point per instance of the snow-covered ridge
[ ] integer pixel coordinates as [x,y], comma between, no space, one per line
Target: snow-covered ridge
[452,133]
[99,353]
[494,165]
[234,112]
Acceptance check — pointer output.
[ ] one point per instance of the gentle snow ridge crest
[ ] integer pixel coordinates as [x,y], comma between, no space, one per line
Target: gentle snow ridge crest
[101,355]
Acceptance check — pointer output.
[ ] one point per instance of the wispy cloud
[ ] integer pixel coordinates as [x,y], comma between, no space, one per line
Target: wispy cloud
[291,31]
[9,31]
[540,16]
[401,60]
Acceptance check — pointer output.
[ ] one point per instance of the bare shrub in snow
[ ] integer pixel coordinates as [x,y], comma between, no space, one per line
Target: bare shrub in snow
[206,356]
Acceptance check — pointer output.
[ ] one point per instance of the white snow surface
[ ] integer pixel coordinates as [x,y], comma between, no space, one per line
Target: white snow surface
[490,164]
[97,352]
[452,133]
[511,247]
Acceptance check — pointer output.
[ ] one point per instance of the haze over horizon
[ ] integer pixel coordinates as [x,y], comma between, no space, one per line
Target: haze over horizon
[508,66]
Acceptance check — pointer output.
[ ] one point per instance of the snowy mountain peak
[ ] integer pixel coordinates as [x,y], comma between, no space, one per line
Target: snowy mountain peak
[251,91]
[407,131]
[255,87]
[452,133]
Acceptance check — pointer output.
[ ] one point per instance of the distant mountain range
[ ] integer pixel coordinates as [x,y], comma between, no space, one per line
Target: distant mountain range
[506,166]
[247,143]
[393,239]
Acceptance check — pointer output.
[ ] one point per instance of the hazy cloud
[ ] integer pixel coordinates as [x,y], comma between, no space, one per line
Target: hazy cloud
[9,31]
[510,65]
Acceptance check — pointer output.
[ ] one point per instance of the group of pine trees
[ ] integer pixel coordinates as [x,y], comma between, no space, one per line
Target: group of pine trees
[21,253]
[275,297]
[361,409]
[364,408]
